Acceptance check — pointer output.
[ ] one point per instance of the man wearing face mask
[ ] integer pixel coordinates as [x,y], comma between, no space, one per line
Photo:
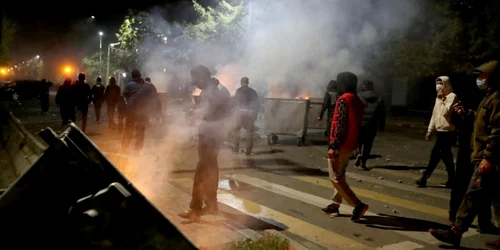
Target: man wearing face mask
[441,122]
[485,181]
[214,108]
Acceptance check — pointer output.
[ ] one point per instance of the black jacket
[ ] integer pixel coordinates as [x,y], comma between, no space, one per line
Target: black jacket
[374,109]
[247,98]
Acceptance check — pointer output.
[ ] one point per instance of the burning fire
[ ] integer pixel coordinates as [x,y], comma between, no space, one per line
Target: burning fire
[196,92]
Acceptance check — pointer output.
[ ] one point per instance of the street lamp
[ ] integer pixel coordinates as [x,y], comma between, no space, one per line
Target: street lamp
[93,17]
[37,57]
[100,51]
[67,70]
[109,52]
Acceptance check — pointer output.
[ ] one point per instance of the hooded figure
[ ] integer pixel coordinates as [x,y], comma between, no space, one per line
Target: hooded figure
[441,121]
[485,182]
[329,101]
[44,95]
[98,98]
[82,98]
[373,119]
[65,102]
[112,96]
[346,123]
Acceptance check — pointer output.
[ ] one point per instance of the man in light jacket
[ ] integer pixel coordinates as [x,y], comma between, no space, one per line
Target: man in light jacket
[441,122]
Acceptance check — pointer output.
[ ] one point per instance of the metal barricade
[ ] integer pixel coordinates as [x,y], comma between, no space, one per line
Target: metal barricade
[286,117]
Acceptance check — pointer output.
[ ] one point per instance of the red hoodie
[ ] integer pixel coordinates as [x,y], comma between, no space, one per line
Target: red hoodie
[347,118]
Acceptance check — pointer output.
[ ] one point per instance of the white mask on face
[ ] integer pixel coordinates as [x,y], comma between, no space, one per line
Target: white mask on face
[439,87]
[481,84]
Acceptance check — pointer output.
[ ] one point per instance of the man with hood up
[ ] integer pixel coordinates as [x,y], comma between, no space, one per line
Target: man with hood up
[214,108]
[441,121]
[83,97]
[373,119]
[329,101]
[344,136]
[98,98]
[485,181]
[112,97]
[64,100]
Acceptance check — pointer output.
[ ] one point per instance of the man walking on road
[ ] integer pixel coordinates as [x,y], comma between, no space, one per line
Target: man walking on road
[112,97]
[83,97]
[214,109]
[442,123]
[98,98]
[329,101]
[485,181]
[247,108]
[344,133]
[373,119]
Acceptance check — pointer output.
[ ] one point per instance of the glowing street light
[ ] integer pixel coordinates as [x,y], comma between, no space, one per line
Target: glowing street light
[100,50]
[100,33]
[37,57]
[67,70]
[93,17]
[124,75]
[3,71]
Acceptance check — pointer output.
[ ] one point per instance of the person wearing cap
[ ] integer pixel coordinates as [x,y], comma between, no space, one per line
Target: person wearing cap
[83,96]
[213,109]
[441,122]
[485,181]
[98,98]
[247,109]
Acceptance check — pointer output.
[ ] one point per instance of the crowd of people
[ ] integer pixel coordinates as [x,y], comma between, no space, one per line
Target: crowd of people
[353,119]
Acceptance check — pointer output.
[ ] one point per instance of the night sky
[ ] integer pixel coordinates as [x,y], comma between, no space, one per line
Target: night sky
[63,34]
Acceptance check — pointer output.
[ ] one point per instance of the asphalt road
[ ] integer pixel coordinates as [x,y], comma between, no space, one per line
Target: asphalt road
[283,187]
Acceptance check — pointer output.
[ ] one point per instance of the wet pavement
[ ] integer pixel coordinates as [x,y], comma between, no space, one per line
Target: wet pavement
[283,187]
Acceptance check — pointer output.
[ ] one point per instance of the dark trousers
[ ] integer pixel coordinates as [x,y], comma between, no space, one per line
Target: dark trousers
[135,126]
[67,114]
[44,102]
[481,191]
[206,177]
[121,117]
[442,151]
[84,110]
[111,107]
[366,137]
[328,128]
[97,108]
[246,120]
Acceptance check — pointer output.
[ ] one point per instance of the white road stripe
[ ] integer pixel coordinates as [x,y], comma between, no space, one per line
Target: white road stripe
[322,202]
[405,245]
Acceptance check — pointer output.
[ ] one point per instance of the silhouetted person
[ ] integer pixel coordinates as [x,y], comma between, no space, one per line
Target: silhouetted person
[44,95]
[122,112]
[83,97]
[214,108]
[98,98]
[155,110]
[140,96]
[247,109]
[329,101]
[373,119]
[112,97]
[65,102]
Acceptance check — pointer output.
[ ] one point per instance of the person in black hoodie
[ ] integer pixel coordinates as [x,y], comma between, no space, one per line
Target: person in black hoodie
[98,98]
[373,119]
[82,98]
[112,96]
[64,100]
[331,96]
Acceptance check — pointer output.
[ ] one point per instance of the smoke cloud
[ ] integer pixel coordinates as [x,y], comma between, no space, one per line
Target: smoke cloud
[294,46]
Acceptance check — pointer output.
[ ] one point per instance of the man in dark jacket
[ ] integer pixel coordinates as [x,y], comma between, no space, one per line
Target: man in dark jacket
[139,95]
[247,108]
[346,123]
[112,96]
[329,101]
[98,98]
[64,100]
[83,97]
[373,119]
[485,181]
[214,107]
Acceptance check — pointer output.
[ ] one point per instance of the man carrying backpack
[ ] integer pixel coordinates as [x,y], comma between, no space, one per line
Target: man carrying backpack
[373,119]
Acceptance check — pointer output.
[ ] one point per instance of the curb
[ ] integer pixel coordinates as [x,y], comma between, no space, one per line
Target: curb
[294,245]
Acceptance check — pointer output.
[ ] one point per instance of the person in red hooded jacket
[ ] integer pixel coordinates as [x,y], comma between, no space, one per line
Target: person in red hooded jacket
[344,134]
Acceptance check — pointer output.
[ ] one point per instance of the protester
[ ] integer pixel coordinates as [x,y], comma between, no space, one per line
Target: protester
[65,102]
[441,121]
[44,95]
[112,97]
[329,101]
[346,123]
[98,98]
[83,97]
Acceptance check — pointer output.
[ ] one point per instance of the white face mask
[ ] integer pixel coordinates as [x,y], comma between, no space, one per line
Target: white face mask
[480,84]
[439,87]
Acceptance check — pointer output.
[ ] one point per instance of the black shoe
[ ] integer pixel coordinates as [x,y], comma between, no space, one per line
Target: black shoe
[359,211]
[493,244]
[190,214]
[213,210]
[421,183]
[364,167]
[332,210]
[450,236]
[488,229]
[358,161]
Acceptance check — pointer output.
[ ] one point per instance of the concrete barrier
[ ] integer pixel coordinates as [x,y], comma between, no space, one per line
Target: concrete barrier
[23,148]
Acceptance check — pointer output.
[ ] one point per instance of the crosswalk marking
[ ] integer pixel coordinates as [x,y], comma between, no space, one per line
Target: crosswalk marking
[405,245]
[308,231]
[435,180]
[416,206]
[322,202]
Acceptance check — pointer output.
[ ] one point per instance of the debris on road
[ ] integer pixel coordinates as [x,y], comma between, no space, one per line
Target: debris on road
[359,180]
[380,178]
[386,206]
[395,211]
[400,181]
